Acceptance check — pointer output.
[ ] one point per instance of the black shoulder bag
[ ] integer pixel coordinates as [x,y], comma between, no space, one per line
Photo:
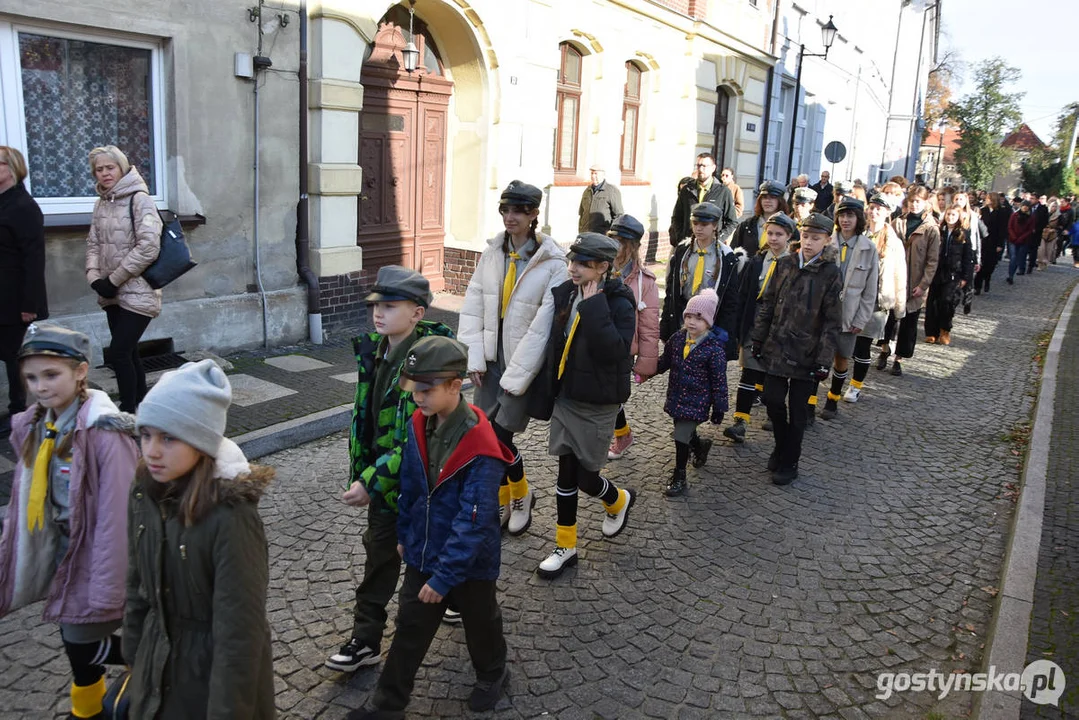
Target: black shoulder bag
[174,257]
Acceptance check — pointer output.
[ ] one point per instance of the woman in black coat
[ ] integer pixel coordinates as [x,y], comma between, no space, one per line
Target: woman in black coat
[995,214]
[22,268]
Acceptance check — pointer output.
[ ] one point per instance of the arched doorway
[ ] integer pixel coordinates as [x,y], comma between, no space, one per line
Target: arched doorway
[403,129]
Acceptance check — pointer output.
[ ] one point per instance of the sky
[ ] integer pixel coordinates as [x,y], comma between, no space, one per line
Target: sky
[980,29]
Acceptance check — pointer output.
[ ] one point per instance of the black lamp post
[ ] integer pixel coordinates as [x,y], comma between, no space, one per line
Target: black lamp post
[827,34]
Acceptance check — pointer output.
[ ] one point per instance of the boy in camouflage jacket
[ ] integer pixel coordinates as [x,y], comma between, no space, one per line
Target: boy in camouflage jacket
[377,438]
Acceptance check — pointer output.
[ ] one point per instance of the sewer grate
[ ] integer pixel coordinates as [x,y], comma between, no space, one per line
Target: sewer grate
[167,361]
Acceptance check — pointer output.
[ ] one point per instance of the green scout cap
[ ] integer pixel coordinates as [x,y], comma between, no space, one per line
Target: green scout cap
[593,246]
[783,221]
[818,222]
[47,339]
[433,360]
[399,283]
[521,193]
[771,187]
[706,211]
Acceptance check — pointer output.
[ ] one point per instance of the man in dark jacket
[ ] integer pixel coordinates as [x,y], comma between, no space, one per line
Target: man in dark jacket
[824,191]
[1040,211]
[601,203]
[706,187]
[22,271]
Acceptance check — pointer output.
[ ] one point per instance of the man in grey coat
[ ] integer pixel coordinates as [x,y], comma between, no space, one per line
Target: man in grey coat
[601,203]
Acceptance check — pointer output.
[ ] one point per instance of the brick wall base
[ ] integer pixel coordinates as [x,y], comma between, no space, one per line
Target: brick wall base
[341,301]
[458,269]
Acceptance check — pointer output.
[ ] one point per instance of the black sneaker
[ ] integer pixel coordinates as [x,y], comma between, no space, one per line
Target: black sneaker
[677,485]
[700,452]
[831,409]
[737,432]
[897,369]
[486,693]
[452,616]
[882,362]
[352,656]
[785,476]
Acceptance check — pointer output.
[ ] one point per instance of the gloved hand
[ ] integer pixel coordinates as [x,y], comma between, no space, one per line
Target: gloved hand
[821,373]
[717,418]
[104,288]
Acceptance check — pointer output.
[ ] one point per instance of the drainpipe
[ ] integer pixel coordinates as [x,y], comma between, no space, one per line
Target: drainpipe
[303,228]
[767,119]
[259,66]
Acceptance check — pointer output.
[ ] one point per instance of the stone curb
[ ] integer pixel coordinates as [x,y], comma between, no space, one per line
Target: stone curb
[1009,632]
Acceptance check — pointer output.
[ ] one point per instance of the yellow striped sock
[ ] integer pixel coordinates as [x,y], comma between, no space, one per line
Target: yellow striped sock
[832,396]
[812,399]
[616,507]
[519,488]
[759,387]
[622,431]
[742,416]
[86,699]
[504,494]
[565,536]
[856,384]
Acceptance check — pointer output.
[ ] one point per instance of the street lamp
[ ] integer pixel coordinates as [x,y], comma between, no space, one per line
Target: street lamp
[941,126]
[411,54]
[827,36]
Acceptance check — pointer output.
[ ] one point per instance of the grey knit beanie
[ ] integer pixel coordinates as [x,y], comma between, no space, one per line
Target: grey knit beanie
[191,404]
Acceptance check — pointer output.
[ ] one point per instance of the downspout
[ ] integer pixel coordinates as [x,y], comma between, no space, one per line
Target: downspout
[303,227]
[258,242]
[767,120]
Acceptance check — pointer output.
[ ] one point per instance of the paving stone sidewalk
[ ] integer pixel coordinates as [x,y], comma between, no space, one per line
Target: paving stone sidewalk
[741,600]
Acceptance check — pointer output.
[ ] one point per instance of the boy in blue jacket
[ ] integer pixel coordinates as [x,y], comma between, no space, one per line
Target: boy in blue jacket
[448,530]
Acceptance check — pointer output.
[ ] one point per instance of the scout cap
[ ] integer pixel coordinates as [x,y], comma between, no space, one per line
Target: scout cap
[783,221]
[519,193]
[433,360]
[593,246]
[706,211]
[627,227]
[842,186]
[805,195]
[883,200]
[398,283]
[818,222]
[850,203]
[56,341]
[771,187]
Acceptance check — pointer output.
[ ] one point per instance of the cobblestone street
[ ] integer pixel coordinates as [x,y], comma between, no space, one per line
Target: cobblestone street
[741,600]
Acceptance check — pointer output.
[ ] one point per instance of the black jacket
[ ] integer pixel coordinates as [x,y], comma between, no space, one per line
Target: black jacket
[956,258]
[996,222]
[22,257]
[687,197]
[1041,221]
[599,361]
[747,237]
[824,196]
[727,289]
[749,288]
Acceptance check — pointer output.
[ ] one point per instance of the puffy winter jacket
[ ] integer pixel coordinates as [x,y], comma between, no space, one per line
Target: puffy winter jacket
[728,271]
[376,464]
[120,250]
[598,365]
[88,585]
[923,254]
[528,314]
[195,628]
[892,275]
[452,531]
[642,282]
[860,284]
[799,316]
[697,387]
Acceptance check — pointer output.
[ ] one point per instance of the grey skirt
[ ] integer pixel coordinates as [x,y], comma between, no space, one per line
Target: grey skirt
[875,327]
[583,430]
[509,411]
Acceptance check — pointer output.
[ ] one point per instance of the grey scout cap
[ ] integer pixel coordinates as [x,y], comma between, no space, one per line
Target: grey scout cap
[398,283]
[784,221]
[433,360]
[771,187]
[818,222]
[593,246]
[706,211]
[519,193]
[851,203]
[627,227]
[48,339]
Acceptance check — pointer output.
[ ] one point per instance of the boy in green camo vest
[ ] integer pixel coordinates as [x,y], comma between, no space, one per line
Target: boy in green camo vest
[377,438]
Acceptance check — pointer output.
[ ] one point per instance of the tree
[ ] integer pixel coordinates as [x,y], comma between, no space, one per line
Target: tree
[983,116]
[938,93]
[1046,171]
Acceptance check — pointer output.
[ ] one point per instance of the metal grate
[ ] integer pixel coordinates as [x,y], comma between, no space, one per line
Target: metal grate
[168,361]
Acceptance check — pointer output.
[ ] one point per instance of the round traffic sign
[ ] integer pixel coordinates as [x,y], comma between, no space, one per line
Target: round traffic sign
[835,151]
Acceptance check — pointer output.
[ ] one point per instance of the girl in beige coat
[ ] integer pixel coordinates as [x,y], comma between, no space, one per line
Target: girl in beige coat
[124,240]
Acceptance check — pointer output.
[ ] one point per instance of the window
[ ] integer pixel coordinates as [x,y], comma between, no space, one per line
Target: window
[568,107]
[64,94]
[720,126]
[631,116]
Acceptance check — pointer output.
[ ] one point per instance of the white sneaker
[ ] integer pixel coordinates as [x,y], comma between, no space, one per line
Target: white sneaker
[556,562]
[521,513]
[614,524]
[503,515]
[851,395]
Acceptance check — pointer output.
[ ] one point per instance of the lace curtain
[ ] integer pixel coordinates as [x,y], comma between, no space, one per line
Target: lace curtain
[78,95]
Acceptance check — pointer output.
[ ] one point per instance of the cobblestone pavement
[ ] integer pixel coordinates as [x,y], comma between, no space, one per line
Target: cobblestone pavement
[1054,631]
[742,600]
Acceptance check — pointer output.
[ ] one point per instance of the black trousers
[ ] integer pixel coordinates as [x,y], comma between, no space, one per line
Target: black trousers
[905,333]
[381,569]
[787,401]
[10,341]
[983,276]
[417,623]
[939,310]
[126,329]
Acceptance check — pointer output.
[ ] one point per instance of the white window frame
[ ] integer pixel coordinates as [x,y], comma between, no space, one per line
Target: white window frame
[13,111]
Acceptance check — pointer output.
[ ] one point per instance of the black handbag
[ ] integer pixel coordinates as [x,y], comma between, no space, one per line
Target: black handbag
[116,703]
[539,400]
[174,257]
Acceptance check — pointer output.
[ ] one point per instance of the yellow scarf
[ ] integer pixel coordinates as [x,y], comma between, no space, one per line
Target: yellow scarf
[698,272]
[764,238]
[510,281]
[690,342]
[767,277]
[569,341]
[39,485]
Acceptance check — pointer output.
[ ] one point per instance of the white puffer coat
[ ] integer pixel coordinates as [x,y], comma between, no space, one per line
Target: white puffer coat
[893,275]
[528,315]
[114,249]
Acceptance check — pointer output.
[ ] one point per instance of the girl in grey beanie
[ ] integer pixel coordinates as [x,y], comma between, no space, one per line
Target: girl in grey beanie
[195,628]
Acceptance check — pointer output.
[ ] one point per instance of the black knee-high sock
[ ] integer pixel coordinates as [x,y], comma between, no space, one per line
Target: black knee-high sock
[621,421]
[681,455]
[838,378]
[591,482]
[566,490]
[516,471]
[863,349]
[88,660]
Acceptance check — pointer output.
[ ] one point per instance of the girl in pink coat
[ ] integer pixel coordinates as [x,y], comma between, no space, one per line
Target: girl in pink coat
[645,350]
[65,538]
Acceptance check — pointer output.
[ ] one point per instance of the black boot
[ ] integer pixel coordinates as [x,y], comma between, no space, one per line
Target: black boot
[677,485]
[773,460]
[700,450]
[831,408]
[897,369]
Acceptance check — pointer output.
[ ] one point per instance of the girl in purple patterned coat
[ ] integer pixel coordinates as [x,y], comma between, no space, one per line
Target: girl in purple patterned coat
[697,387]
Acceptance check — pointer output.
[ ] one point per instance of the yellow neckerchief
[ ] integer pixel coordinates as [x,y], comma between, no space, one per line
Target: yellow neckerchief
[698,272]
[764,235]
[690,342]
[569,341]
[39,485]
[702,190]
[510,282]
[768,275]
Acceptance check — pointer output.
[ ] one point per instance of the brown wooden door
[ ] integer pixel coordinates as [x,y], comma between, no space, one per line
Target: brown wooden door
[403,155]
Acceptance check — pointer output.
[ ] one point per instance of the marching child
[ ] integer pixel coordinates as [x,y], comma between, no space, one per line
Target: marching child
[589,354]
[377,438]
[449,530]
[195,628]
[794,336]
[697,388]
[628,231]
[65,537]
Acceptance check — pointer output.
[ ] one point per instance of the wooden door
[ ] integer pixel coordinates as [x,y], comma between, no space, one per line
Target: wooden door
[403,129]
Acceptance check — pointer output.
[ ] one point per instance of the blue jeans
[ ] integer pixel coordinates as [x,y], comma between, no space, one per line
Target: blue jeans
[1017,259]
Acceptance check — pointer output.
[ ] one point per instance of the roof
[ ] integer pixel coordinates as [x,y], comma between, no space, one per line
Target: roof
[1022,139]
[951,142]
